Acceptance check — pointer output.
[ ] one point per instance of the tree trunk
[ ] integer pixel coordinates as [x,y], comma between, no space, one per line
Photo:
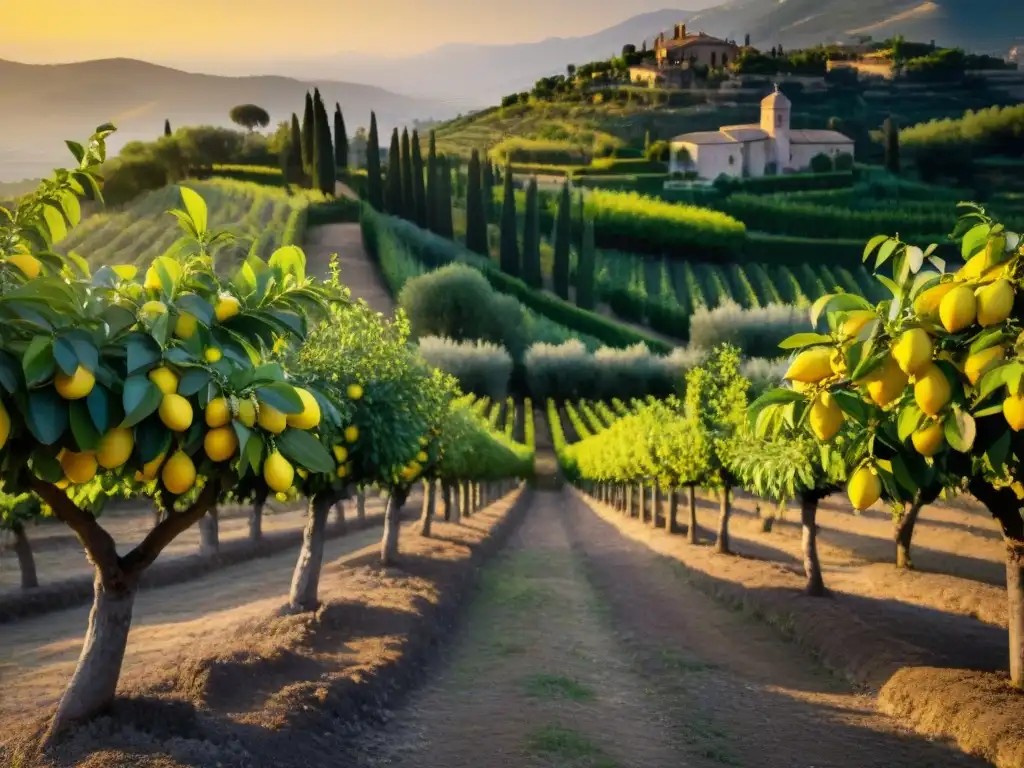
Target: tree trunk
[673,510]
[429,506]
[691,521]
[809,544]
[209,533]
[94,683]
[446,500]
[722,540]
[656,510]
[904,532]
[466,505]
[1015,608]
[256,516]
[641,511]
[456,502]
[339,514]
[392,523]
[306,576]
[361,506]
[629,500]
[26,562]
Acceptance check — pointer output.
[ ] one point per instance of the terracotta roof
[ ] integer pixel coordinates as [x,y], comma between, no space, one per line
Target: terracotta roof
[818,137]
[744,132]
[694,39]
[704,137]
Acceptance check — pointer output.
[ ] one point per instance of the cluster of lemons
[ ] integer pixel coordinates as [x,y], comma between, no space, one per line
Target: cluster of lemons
[342,451]
[981,295]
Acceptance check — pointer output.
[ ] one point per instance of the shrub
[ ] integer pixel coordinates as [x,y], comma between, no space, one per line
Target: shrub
[756,332]
[519,150]
[340,210]
[792,182]
[481,368]
[763,373]
[822,163]
[844,162]
[256,174]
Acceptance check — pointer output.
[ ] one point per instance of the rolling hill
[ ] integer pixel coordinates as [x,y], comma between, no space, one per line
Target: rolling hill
[63,101]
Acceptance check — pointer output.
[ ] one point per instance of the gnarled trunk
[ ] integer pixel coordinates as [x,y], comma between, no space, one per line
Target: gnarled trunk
[903,532]
[691,517]
[361,506]
[429,506]
[722,540]
[26,562]
[392,523]
[209,533]
[809,545]
[94,682]
[673,510]
[306,576]
[256,516]
[339,515]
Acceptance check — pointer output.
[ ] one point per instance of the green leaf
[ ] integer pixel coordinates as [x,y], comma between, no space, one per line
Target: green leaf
[304,450]
[192,381]
[76,149]
[873,243]
[960,430]
[254,452]
[851,404]
[281,396]
[895,290]
[38,362]
[104,410]
[199,308]
[151,439]
[995,378]
[991,410]
[65,355]
[869,364]
[800,340]
[143,352]
[887,249]
[989,337]
[47,416]
[915,259]
[998,452]
[818,307]
[47,467]
[196,207]
[903,475]
[85,432]
[244,435]
[290,260]
[9,372]
[141,398]
[974,240]
[910,419]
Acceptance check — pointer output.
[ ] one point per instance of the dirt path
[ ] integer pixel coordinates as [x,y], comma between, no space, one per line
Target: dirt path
[38,655]
[357,271]
[585,648]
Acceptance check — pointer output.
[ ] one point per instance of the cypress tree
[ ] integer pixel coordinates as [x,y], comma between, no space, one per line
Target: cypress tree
[563,235]
[476,219]
[508,257]
[419,190]
[291,154]
[488,189]
[167,127]
[307,136]
[585,269]
[323,156]
[394,201]
[340,140]
[445,226]
[374,189]
[408,196]
[433,192]
[532,275]
[891,132]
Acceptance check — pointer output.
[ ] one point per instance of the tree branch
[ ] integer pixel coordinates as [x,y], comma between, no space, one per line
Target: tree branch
[170,528]
[99,545]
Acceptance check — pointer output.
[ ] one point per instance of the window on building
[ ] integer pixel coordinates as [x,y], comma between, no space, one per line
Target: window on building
[714,57]
[732,160]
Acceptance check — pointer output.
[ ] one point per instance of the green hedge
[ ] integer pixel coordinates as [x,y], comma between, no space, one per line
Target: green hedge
[792,182]
[338,211]
[612,166]
[257,174]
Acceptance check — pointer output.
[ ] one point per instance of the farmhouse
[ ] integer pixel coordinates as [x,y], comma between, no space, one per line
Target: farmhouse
[755,150]
[699,49]
[663,77]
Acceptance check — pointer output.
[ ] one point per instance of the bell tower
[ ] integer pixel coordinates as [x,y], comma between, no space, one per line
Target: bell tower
[775,114]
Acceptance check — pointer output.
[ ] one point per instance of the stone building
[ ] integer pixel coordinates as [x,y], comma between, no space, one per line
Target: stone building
[661,77]
[699,49]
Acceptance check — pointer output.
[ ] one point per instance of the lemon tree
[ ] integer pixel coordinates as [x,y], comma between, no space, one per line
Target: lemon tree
[15,512]
[108,384]
[931,386]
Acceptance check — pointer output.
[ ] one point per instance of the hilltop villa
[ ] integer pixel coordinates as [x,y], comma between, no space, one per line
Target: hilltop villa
[755,150]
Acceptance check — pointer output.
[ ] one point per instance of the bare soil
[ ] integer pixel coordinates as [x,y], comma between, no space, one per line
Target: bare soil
[358,272]
[586,648]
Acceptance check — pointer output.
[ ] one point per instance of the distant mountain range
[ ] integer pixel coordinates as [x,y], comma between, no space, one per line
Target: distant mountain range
[470,74]
[45,104]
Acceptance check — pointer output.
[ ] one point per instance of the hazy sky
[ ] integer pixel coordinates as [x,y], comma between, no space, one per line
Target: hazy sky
[68,30]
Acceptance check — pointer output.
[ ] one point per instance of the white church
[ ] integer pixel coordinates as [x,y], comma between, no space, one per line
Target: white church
[752,150]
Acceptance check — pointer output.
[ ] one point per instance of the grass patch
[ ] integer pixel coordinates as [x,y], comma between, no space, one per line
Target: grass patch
[568,744]
[557,687]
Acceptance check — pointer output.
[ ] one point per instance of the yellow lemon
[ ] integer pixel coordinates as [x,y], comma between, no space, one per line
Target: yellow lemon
[886,382]
[185,326]
[838,363]
[5,426]
[153,308]
[165,379]
[982,261]
[799,386]
[278,473]
[421,457]
[826,417]
[342,471]
[220,443]
[115,448]
[76,386]
[62,483]
[152,281]
[150,468]
[926,305]
[855,322]
[29,265]
[1013,412]
[913,351]
[423,440]
[272,419]
[218,412]
[176,412]
[864,488]
[354,391]
[928,440]
[310,415]
[340,454]
[977,364]
[79,467]
[995,302]
[932,390]
[179,473]
[227,307]
[212,354]
[957,309]
[351,434]
[811,366]
[247,412]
